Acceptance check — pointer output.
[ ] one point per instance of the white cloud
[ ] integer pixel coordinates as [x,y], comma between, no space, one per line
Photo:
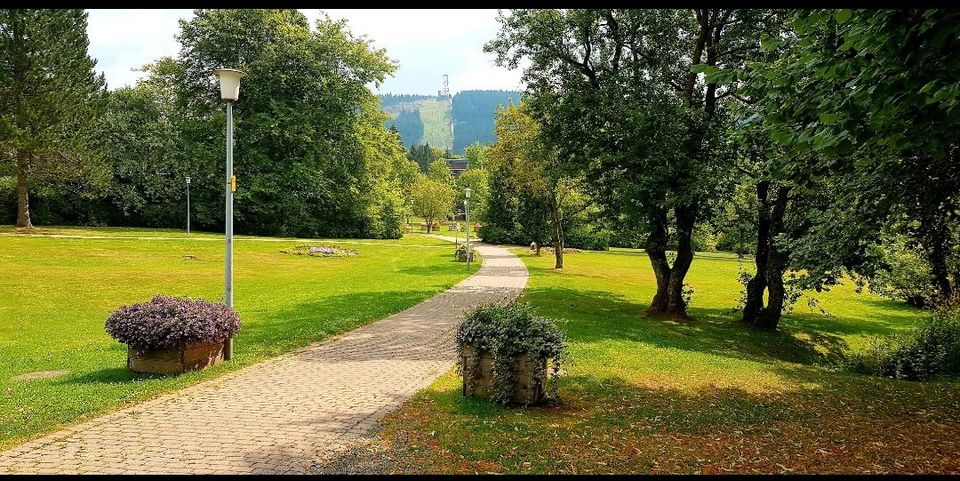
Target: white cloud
[425,43]
[122,40]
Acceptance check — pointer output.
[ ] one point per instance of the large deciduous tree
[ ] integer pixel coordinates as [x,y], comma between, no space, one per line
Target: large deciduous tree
[869,100]
[617,92]
[300,120]
[49,93]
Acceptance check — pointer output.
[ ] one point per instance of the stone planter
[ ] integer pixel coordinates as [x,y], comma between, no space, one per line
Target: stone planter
[461,253]
[526,389]
[188,357]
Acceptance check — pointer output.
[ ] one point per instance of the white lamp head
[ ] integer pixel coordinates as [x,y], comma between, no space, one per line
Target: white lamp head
[188,180]
[229,83]
[466,192]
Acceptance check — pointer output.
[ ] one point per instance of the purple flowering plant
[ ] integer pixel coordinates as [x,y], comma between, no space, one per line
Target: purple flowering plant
[166,322]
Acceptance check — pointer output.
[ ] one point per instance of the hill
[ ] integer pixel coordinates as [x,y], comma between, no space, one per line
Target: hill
[445,122]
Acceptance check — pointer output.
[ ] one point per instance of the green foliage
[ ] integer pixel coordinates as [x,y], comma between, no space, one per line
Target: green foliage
[423,155]
[431,199]
[589,237]
[932,349]
[866,100]
[906,274]
[477,180]
[506,331]
[409,126]
[439,170]
[50,97]
[476,155]
[312,154]
[703,238]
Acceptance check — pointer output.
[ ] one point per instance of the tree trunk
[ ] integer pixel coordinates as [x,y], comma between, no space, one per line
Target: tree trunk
[757,284]
[686,218]
[557,230]
[937,256]
[23,195]
[656,248]
[771,262]
[429,224]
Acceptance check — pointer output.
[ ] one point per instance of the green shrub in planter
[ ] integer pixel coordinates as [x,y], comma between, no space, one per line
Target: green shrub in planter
[461,252]
[504,352]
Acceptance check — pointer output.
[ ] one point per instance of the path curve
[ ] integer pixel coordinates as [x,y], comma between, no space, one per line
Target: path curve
[287,414]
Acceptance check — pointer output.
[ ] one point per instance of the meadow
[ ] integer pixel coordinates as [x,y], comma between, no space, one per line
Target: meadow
[58,285]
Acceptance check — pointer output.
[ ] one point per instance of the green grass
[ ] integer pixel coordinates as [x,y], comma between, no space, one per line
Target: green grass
[435,115]
[710,395]
[56,292]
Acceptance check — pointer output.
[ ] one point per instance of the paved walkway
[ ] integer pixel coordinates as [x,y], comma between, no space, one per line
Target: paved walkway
[287,414]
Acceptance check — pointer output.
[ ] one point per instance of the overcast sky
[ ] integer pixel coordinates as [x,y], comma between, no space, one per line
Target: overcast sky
[425,43]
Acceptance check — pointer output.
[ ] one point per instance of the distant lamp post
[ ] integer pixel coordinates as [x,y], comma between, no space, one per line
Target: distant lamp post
[229,91]
[466,210]
[188,205]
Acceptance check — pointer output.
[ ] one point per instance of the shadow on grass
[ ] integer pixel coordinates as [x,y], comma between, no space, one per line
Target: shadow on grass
[666,428]
[595,315]
[113,375]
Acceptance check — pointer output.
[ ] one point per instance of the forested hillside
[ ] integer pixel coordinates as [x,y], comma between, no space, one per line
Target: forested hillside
[473,115]
[443,123]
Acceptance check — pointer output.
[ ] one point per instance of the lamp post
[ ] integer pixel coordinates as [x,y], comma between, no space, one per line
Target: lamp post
[466,210]
[229,91]
[188,205]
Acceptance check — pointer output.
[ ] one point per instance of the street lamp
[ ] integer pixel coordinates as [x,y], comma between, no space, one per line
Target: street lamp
[466,210]
[229,91]
[188,205]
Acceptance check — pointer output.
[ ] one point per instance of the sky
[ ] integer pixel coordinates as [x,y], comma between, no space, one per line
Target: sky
[425,43]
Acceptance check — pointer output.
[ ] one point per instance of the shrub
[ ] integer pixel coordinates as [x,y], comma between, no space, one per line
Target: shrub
[493,234]
[932,349]
[506,331]
[907,275]
[166,322]
[588,237]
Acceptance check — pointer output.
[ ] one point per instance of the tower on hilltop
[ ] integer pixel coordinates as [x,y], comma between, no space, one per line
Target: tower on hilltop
[445,91]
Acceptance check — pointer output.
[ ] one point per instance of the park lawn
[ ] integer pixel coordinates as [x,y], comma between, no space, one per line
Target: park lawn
[56,293]
[647,395]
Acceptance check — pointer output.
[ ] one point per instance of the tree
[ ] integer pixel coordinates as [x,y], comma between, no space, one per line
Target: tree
[300,123]
[423,155]
[439,170]
[431,199]
[476,155]
[548,197]
[49,93]
[868,99]
[617,92]
[477,180]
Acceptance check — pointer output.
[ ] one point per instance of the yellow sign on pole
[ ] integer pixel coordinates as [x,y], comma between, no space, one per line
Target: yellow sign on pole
[233,183]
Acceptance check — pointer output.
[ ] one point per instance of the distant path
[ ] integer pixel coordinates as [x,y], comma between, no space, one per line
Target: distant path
[287,414]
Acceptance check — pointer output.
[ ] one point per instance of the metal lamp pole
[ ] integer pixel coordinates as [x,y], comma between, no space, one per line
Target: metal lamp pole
[466,209]
[188,205]
[229,91]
